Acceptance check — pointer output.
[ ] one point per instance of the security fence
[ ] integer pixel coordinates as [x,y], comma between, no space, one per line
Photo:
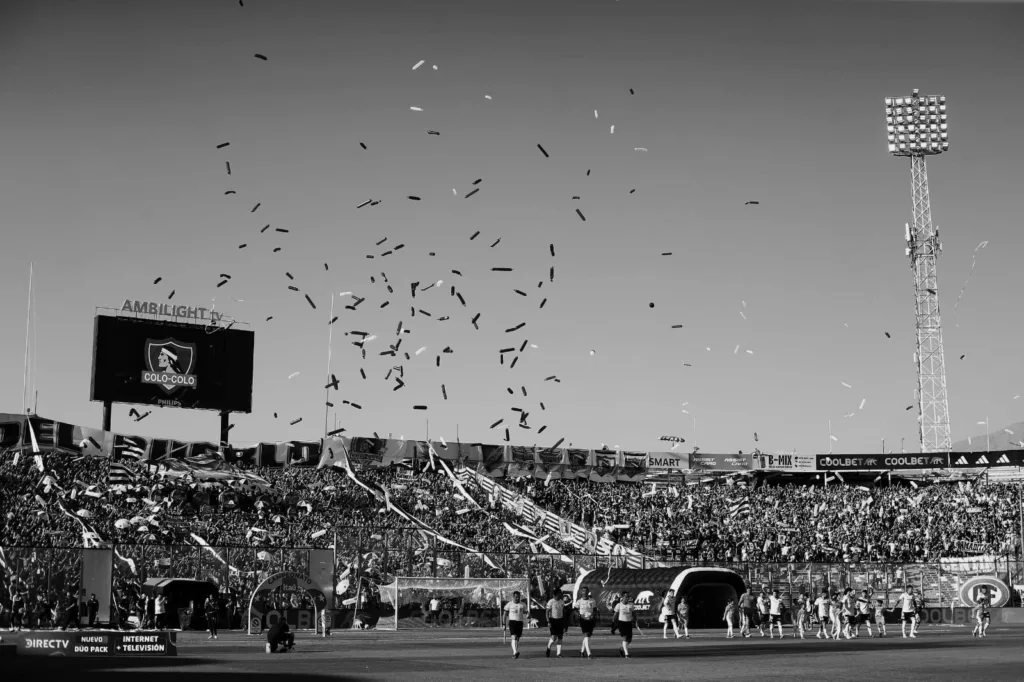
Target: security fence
[380,555]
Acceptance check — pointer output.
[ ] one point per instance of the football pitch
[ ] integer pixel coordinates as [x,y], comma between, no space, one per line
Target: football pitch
[938,653]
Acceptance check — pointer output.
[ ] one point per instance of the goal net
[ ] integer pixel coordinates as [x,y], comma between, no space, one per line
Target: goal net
[460,602]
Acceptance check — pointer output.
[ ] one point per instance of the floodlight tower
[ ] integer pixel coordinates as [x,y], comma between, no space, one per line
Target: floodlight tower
[917,128]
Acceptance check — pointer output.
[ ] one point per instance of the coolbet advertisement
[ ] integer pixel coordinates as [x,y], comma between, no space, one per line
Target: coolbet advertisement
[172,364]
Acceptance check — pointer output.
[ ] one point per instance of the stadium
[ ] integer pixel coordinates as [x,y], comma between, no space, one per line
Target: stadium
[178,509]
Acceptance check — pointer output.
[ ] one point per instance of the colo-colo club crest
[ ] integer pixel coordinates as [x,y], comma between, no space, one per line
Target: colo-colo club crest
[169,365]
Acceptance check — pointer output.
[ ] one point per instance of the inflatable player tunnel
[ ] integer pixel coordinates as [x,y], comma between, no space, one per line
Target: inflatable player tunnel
[706,589]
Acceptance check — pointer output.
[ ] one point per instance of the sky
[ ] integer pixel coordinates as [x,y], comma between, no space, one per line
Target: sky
[110,177]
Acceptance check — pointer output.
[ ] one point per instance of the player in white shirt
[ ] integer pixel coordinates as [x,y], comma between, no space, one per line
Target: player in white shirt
[668,614]
[586,607]
[624,619]
[849,612]
[435,611]
[775,614]
[517,613]
[863,613]
[555,610]
[908,607]
[835,614]
[822,604]
[762,612]
[799,616]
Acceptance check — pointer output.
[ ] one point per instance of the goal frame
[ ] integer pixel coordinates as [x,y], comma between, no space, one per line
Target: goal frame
[501,588]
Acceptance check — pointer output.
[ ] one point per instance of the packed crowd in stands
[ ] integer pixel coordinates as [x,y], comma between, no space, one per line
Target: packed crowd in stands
[250,529]
[835,523]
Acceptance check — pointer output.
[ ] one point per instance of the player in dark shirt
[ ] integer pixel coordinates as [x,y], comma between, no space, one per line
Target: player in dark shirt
[279,634]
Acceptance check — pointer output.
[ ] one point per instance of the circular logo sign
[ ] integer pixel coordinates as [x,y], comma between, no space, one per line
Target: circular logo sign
[995,589]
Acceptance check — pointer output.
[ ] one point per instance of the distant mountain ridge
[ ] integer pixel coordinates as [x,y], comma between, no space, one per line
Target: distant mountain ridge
[998,439]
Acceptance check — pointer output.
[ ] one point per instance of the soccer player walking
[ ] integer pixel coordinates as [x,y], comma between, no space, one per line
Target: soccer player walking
[849,612]
[762,612]
[835,614]
[683,614]
[211,607]
[747,612]
[729,616]
[624,620]
[668,614]
[863,613]
[586,607]
[555,611]
[880,617]
[822,604]
[908,608]
[982,617]
[517,613]
[775,614]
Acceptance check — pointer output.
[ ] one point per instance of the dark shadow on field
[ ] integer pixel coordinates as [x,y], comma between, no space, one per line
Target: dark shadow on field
[787,648]
[176,669]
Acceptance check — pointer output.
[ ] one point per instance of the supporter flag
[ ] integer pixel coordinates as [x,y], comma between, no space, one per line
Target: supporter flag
[492,460]
[119,473]
[739,508]
[606,466]
[578,463]
[131,447]
[634,466]
[10,431]
[303,453]
[521,461]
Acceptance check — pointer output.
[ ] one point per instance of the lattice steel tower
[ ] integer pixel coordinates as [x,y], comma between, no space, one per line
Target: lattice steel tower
[917,128]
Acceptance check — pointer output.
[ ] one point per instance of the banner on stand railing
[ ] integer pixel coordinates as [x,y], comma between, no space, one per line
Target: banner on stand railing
[787,462]
[700,461]
[661,463]
[880,462]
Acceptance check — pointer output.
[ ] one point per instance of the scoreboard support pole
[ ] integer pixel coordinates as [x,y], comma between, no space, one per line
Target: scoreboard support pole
[107,410]
[225,426]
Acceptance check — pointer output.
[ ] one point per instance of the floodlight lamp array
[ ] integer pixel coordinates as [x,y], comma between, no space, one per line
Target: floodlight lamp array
[916,125]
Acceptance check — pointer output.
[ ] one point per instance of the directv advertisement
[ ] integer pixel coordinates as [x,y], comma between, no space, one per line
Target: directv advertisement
[171,364]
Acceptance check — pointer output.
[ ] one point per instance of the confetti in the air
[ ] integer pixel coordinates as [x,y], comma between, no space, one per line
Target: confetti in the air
[974,261]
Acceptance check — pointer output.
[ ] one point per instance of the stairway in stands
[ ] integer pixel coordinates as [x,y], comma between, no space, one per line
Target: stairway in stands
[578,536]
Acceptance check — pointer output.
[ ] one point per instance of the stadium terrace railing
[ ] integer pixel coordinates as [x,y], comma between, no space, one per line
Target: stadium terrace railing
[381,555]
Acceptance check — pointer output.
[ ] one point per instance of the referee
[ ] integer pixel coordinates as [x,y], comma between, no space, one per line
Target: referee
[586,607]
[556,622]
[517,614]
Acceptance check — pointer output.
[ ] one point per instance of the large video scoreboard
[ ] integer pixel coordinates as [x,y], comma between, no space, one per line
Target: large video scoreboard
[172,364]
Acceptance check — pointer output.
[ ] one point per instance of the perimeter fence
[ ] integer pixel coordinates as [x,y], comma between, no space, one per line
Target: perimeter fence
[378,556]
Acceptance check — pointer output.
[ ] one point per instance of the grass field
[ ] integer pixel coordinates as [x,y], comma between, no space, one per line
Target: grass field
[939,653]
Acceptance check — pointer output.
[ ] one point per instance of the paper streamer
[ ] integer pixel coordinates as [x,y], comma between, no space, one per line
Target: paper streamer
[974,261]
